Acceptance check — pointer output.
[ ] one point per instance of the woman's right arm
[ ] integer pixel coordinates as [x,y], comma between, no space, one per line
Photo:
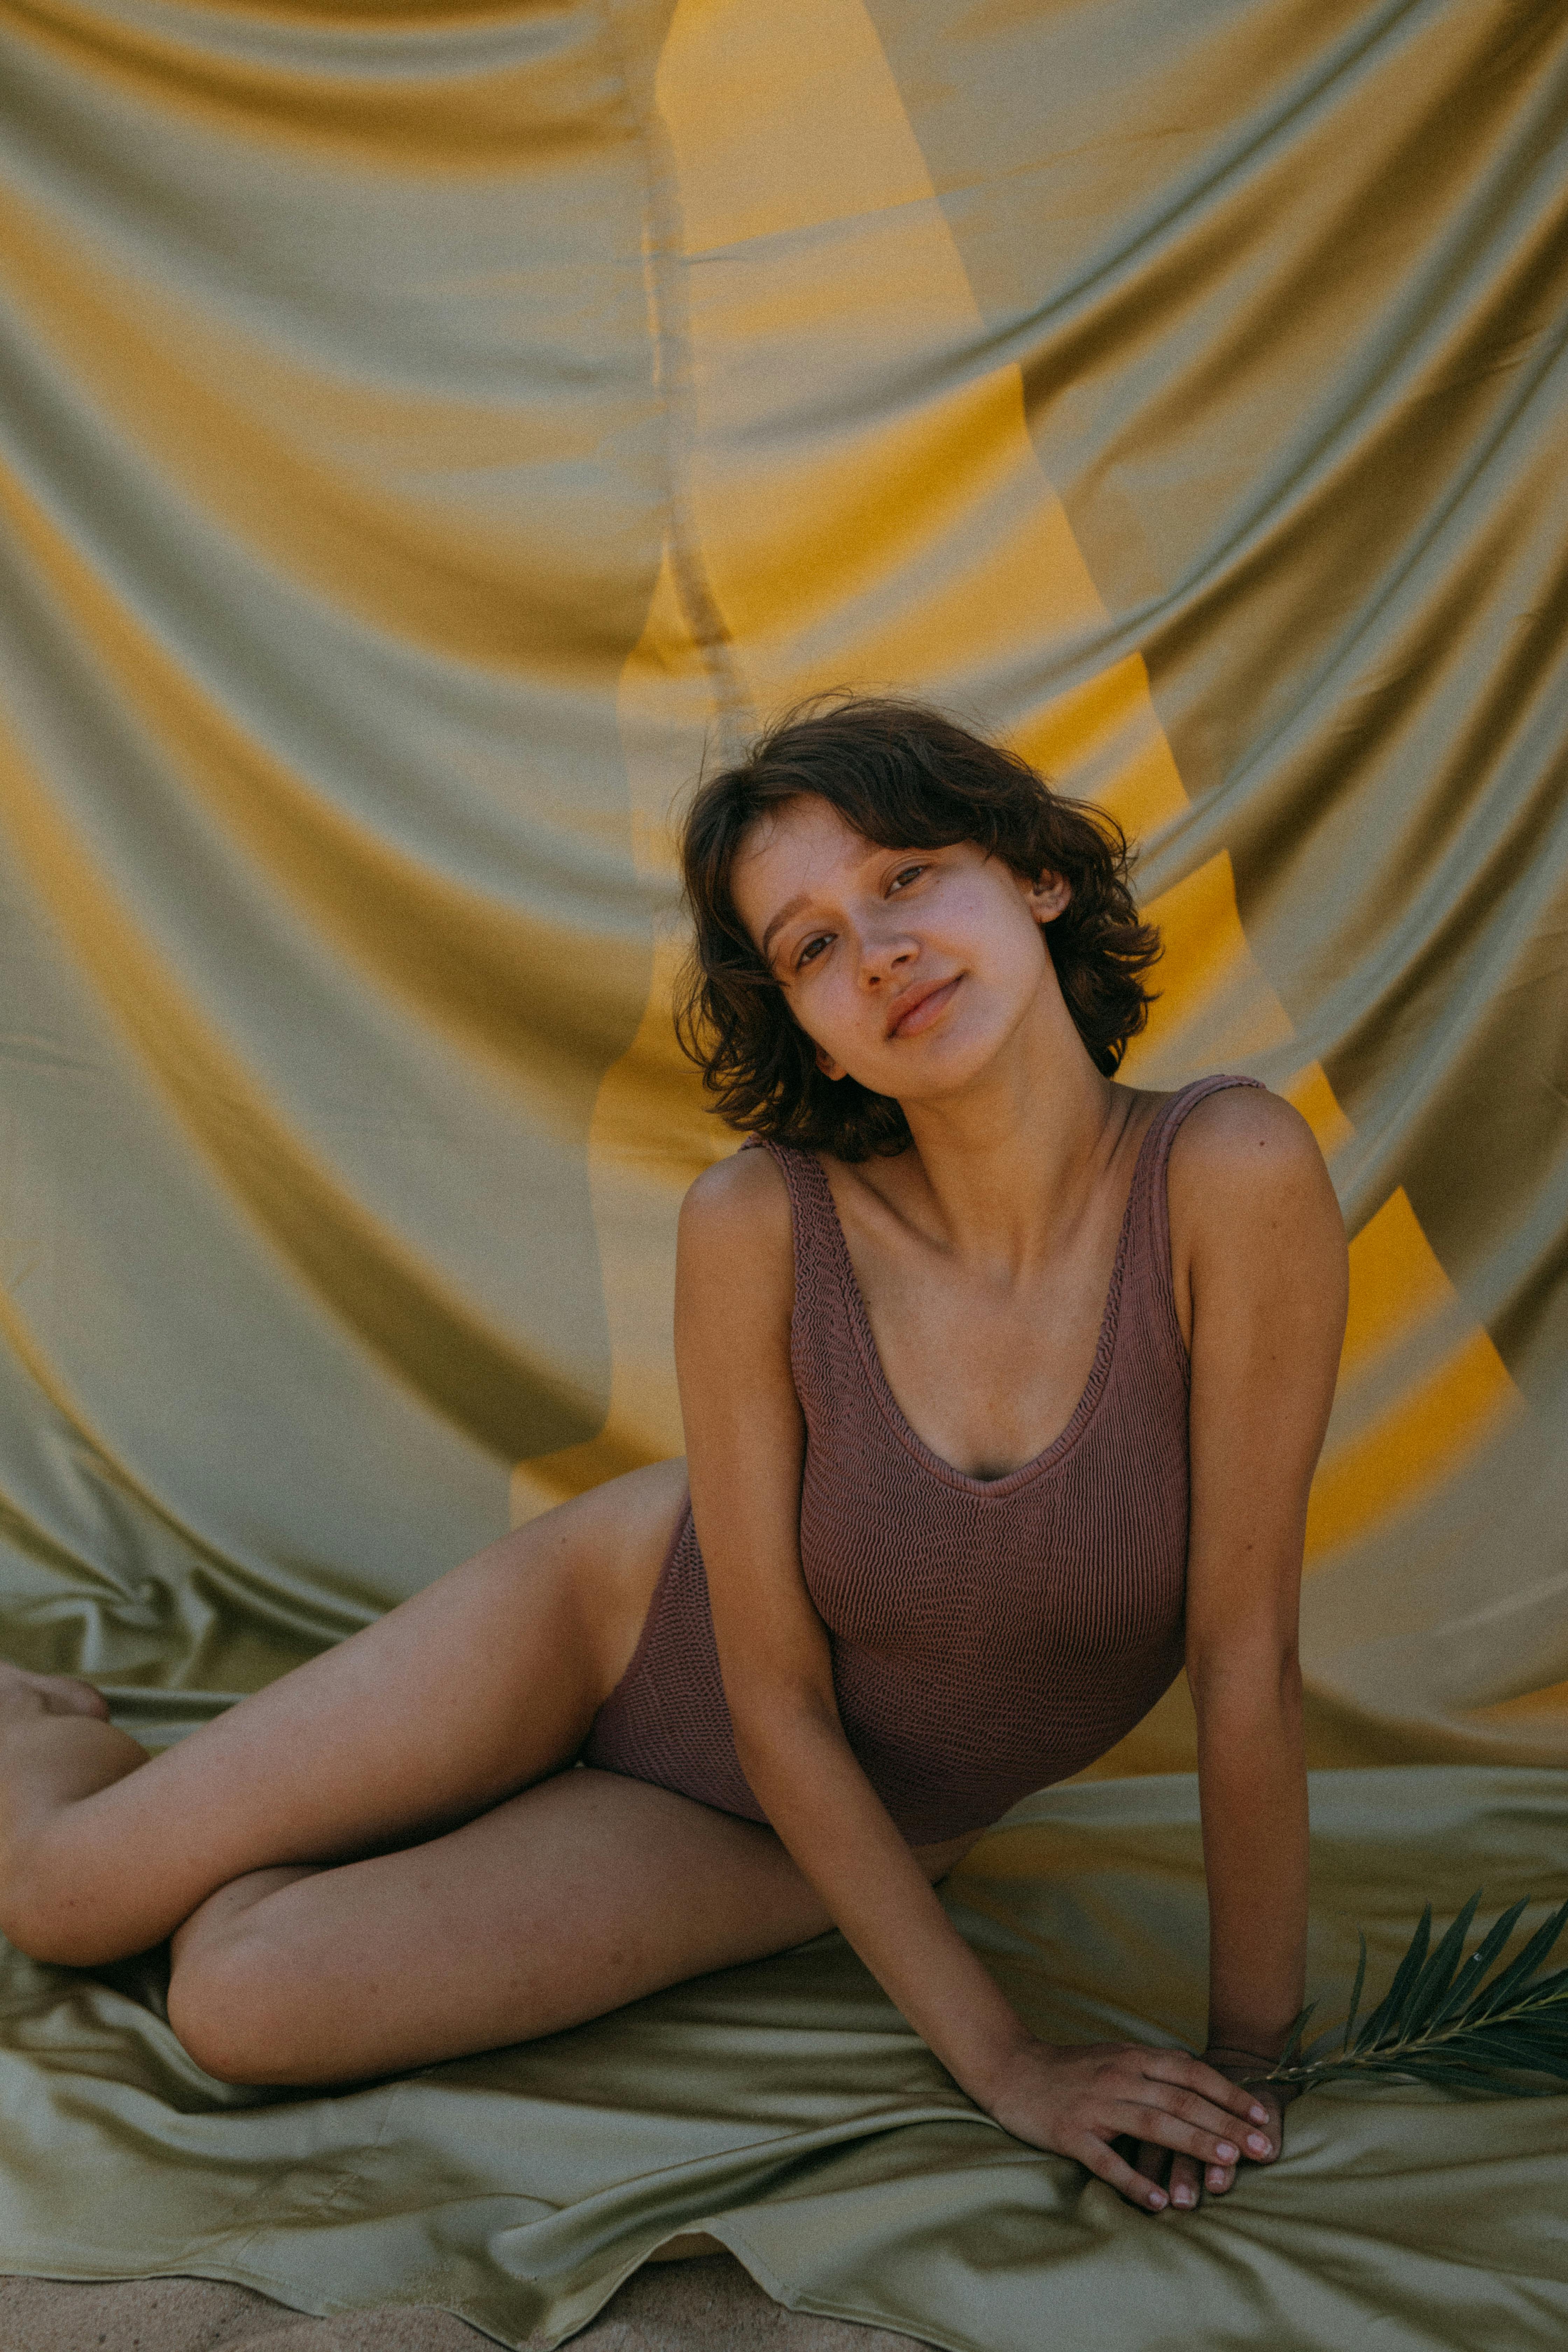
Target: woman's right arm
[745,1451]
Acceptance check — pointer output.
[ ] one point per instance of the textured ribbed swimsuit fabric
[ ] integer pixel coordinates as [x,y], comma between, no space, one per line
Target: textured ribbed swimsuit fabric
[989,1636]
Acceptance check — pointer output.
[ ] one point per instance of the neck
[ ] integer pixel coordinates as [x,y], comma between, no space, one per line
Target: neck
[1009,1165]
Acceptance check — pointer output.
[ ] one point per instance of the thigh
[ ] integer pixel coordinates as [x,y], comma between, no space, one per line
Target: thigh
[477,1686]
[561,1904]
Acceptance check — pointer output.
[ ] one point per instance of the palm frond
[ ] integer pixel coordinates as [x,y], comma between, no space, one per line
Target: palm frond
[1444,2021]
[1355,1990]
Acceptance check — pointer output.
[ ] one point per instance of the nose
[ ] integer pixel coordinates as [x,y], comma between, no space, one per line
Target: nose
[883,953]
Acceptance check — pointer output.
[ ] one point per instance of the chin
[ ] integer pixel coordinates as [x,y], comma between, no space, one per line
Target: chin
[939,1075]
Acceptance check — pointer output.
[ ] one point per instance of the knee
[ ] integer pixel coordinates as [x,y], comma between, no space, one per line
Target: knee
[229,2010]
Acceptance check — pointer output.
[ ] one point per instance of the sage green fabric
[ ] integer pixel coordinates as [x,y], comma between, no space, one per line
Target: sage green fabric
[788,2109]
[424,435]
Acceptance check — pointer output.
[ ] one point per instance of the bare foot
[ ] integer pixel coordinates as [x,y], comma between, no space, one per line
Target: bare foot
[22,1694]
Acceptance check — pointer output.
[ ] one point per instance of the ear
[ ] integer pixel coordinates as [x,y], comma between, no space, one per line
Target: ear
[828,1067]
[1048,896]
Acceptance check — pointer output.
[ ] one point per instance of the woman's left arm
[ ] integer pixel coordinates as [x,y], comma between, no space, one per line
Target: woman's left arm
[1259,1261]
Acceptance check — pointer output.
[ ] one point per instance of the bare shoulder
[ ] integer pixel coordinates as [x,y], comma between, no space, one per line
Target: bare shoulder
[735,1223]
[745,1194]
[734,1282]
[1245,1170]
[1245,1141]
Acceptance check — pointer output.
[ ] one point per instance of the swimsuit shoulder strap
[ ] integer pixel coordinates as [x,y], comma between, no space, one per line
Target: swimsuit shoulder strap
[818,1288]
[1149,1269]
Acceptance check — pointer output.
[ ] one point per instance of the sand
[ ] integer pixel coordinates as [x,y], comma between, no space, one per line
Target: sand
[710,2304]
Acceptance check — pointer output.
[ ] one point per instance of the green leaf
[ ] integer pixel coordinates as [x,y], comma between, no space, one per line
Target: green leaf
[1441,2025]
[1505,2045]
[1291,2053]
[1479,1961]
[1428,1990]
[1526,1962]
[1544,2006]
[1355,1990]
[1408,1970]
[1544,2033]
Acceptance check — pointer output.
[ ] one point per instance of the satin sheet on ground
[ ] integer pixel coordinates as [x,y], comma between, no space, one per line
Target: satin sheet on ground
[786,2109]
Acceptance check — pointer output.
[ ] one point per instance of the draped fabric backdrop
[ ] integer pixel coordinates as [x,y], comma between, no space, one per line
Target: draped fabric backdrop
[427,431]
[425,434]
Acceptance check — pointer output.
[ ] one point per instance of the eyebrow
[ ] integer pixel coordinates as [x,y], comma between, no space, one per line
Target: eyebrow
[791,907]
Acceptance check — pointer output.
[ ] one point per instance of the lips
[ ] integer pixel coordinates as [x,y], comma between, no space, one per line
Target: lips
[921,1007]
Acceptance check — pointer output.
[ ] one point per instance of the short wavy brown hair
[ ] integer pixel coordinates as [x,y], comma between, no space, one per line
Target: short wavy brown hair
[908,778]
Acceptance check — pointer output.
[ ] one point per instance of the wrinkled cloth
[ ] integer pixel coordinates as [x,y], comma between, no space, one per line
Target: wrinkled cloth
[425,436]
[787,2110]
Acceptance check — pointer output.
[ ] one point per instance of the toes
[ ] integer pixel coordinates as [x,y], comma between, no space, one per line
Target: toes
[59,1694]
[66,1695]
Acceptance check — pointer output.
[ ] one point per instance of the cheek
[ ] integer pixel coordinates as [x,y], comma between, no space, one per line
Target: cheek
[999,939]
[833,1014]
[819,1009]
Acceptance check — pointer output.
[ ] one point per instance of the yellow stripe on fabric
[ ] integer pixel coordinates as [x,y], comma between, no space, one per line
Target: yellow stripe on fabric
[869,505]
[1546,1707]
[650,1134]
[1313,1097]
[1400,1428]
[923,547]
[1402,1449]
[1215,1010]
[871,512]
[1422,1389]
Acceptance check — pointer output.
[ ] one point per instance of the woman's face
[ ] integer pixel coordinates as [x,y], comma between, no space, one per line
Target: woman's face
[909,969]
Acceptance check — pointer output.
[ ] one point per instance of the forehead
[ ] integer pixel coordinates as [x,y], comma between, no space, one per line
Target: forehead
[802,847]
[805,831]
[795,856]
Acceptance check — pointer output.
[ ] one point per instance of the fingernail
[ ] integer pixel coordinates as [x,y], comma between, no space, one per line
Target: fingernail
[1184,2196]
[1157,2198]
[1216,2178]
[1260,2115]
[1257,2144]
[1226,2153]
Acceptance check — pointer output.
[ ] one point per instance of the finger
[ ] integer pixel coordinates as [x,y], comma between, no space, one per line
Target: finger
[1186,2184]
[1173,2131]
[1151,2161]
[1252,2139]
[1236,2098]
[1218,2177]
[1107,2166]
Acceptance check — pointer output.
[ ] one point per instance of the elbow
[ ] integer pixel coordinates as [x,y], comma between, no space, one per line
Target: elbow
[1267,1684]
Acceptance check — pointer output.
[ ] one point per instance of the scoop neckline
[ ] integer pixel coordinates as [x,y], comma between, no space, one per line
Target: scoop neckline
[1099,1371]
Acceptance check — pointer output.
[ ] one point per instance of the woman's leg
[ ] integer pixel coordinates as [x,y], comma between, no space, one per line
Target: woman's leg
[485,1682]
[559,1904]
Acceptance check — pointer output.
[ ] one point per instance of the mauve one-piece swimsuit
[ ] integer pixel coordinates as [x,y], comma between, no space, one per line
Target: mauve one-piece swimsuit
[989,1635]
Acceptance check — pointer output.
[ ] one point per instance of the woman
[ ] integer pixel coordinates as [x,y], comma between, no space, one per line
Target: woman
[959,1525]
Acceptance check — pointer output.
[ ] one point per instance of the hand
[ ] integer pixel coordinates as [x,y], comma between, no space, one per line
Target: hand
[1180,2110]
[1188,2178]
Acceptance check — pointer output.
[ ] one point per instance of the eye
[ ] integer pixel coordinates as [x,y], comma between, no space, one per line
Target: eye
[811,949]
[905,874]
